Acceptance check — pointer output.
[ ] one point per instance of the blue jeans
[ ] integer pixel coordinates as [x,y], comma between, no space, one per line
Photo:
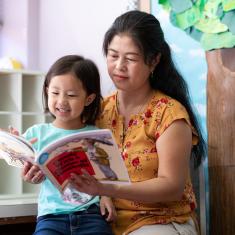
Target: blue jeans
[88,222]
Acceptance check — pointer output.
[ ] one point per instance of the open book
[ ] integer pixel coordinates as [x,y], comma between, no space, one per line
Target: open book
[95,151]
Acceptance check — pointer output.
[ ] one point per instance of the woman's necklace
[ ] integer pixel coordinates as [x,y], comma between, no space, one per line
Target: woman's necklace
[136,111]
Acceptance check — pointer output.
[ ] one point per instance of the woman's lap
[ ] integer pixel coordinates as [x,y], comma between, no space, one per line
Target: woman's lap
[167,229]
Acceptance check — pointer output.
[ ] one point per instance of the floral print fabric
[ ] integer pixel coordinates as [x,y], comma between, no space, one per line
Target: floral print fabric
[138,146]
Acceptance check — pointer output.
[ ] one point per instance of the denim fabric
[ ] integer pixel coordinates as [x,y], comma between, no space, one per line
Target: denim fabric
[87,222]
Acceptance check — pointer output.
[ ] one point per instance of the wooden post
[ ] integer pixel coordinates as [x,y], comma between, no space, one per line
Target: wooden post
[221,139]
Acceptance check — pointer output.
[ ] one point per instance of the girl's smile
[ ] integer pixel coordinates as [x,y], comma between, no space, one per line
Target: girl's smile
[66,101]
[63,111]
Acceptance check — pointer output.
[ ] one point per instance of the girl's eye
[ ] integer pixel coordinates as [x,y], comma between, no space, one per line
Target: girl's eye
[55,93]
[71,95]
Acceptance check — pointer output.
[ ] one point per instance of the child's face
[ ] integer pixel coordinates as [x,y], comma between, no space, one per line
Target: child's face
[66,101]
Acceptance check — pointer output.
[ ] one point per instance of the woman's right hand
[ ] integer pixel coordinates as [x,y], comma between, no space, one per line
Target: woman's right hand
[32,173]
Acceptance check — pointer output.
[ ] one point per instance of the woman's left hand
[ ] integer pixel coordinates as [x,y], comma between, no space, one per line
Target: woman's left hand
[86,183]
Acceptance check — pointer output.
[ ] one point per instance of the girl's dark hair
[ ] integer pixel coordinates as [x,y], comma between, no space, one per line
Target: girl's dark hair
[87,72]
[146,32]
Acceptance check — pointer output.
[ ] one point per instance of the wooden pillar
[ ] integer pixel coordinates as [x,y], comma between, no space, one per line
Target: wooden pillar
[221,139]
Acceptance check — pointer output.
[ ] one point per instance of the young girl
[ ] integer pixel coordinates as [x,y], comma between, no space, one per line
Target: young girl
[72,96]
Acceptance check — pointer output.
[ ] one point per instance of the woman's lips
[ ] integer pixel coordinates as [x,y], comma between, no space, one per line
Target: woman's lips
[120,77]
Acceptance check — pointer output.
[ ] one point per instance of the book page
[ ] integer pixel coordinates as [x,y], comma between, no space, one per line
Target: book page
[94,151]
[14,150]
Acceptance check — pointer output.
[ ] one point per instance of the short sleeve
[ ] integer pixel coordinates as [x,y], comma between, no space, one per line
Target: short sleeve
[170,112]
[29,134]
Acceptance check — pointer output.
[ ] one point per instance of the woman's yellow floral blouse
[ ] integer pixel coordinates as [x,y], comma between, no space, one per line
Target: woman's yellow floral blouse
[138,146]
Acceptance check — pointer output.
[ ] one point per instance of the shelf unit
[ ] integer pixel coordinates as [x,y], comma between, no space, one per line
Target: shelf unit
[20,107]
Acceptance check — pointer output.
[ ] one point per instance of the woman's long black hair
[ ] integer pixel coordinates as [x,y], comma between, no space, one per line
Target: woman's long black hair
[146,32]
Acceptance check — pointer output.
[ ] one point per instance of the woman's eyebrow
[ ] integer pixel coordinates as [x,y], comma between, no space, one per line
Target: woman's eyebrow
[127,53]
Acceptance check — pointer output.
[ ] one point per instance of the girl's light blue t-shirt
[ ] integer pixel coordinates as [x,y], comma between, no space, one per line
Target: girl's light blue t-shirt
[50,200]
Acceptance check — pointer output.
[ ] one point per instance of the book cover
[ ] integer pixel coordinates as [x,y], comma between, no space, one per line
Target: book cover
[95,151]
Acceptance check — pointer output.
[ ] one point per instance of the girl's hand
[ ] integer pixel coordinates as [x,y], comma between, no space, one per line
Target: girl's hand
[13,131]
[107,209]
[32,173]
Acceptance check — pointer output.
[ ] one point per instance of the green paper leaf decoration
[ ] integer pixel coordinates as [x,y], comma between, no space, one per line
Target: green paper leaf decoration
[211,22]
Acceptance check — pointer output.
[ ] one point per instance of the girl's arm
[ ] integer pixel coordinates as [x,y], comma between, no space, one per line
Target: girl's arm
[174,150]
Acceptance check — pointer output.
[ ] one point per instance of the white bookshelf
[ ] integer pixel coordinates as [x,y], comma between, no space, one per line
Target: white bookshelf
[17,206]
[20,107]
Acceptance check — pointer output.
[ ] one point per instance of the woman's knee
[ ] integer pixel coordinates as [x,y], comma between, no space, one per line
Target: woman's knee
[173,228]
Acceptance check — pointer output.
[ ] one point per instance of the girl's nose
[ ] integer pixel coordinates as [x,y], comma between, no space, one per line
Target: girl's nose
[62,100]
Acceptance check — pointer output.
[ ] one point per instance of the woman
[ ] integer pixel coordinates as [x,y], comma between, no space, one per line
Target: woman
[155,127]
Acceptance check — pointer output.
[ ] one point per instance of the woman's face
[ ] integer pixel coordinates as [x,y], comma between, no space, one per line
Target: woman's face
[126,65]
